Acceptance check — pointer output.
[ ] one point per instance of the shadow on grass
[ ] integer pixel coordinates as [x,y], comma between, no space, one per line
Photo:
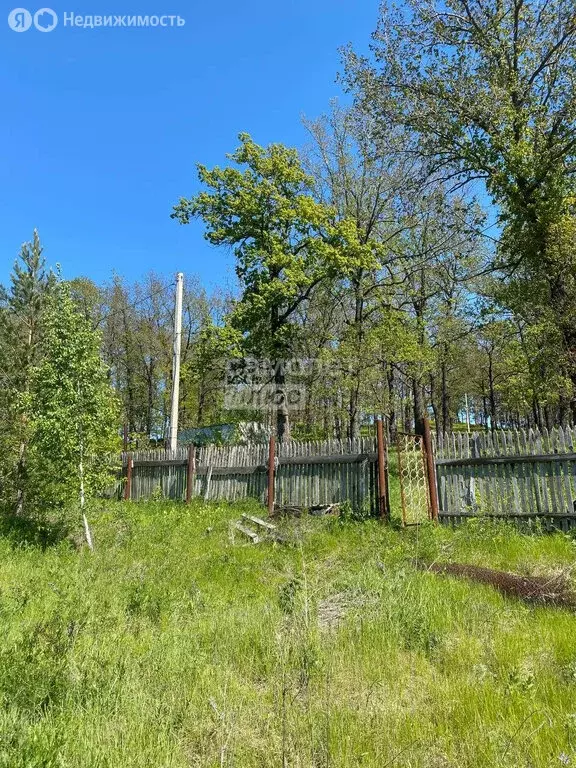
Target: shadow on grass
[28,531]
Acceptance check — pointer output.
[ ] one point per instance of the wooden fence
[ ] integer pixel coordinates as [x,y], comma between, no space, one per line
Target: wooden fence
[518,475]
[306,474]
[512,474]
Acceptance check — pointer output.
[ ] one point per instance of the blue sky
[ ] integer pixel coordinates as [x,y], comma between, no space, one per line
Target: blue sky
[102,128]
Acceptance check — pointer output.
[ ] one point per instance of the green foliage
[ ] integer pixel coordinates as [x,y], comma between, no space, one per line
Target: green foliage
[487,91]
[21,330]
[74,414]
[285,241]
[348,514]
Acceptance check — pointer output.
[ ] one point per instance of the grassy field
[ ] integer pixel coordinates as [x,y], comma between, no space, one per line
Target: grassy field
[175,646]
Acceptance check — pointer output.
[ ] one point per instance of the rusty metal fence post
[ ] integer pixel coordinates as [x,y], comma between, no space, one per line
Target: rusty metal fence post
[128,486]
[271,473]
[383,491]
[431,471]
[191,473]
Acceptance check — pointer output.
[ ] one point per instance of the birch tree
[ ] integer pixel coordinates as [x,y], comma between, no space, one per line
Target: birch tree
[74,423]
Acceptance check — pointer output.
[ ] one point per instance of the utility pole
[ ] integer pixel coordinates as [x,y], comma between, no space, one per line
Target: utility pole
[176,362]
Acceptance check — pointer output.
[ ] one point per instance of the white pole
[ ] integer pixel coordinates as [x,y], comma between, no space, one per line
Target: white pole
[176,362]
[467,414]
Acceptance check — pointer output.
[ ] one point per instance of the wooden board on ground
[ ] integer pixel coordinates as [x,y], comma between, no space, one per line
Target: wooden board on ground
[250,534]
[260,522]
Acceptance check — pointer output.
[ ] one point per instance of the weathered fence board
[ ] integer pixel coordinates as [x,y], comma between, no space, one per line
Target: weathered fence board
[307,474]
[512,474]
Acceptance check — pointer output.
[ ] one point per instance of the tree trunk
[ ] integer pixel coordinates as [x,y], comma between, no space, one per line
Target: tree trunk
[282,418]
[150,400]
[21,468]
[434,405]
[446,421]
[354,412]
[201,403]
[492,395]
[354,401]
[407,412]
[563,411]
[392,414]
[537,411]
[338,420]
[419,407]
[130,405]
[20,478]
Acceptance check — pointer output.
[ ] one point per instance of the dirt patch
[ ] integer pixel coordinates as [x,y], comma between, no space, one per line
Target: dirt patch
[333,609]
[540,590]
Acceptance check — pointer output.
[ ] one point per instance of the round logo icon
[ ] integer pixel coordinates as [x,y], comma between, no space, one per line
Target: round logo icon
[20,20]
[45,20]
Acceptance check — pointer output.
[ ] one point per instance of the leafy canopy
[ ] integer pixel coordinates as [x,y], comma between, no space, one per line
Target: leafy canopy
[488,89]
[284,240]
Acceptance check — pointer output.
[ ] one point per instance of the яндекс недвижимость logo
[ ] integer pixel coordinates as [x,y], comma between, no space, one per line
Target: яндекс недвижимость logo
[45,20]
[20,20]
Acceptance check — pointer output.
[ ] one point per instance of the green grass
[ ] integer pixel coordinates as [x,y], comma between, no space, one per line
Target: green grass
[173,646]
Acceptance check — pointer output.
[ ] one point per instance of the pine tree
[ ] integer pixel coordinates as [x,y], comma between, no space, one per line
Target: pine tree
[21,313]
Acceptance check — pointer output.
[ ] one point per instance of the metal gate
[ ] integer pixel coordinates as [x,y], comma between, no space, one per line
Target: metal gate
[412,469]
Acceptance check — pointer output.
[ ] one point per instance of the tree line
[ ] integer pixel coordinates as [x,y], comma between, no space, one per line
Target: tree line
[416,257]
[371,250]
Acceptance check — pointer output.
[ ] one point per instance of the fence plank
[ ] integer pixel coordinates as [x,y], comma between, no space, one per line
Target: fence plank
[509,474]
